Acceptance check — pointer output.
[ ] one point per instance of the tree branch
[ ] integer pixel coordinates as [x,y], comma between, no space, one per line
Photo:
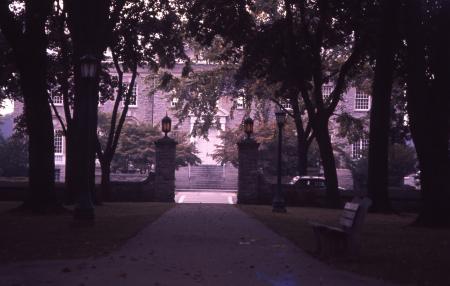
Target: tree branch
[125,109]
[112,128]
[113,19]
[335,95]
[55,110]
[99,151]
[10,27]
[282,107]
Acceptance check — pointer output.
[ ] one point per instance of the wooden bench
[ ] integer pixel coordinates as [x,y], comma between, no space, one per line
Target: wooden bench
[344,238]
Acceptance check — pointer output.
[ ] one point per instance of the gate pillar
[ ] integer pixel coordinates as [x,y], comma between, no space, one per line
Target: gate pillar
[248,171]
[165,170]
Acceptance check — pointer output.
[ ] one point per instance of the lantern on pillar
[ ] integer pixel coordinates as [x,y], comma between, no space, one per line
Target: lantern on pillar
[166,125]
[88,66]
[280,117]
[248,126]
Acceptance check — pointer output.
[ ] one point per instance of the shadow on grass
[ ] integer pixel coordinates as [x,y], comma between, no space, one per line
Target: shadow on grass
[34,237]
[390,248]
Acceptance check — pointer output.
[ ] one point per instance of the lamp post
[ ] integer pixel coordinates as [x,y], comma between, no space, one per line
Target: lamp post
[88,73]
[166,125]
[248,127]
[278,203]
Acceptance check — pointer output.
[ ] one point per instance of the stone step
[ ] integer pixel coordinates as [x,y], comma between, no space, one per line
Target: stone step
[206,177]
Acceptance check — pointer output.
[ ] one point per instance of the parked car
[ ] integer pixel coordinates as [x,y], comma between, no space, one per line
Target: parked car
[307,190]
[412,180]
[310,183]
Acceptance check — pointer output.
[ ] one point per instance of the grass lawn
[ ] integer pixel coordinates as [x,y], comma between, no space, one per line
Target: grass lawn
[390,249]
[30,237]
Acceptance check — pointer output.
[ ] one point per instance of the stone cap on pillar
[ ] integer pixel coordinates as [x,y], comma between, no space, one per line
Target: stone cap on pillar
[248,143]
[166,140]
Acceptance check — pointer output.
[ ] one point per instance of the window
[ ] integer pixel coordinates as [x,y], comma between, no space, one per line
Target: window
[57,175]
[240,102]
[58,142]
[359,148]
[361,101]
[173,102]
[326,91]
[134,94]
[286,104]
[56,98]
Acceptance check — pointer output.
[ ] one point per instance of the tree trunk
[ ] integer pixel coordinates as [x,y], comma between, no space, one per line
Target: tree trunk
[84,131]
[302,154]
[28,41]
[428,115]
[70,168]
[105,187]
[42,195]
[32,63]
[302,150]
[380,110]
[328,162]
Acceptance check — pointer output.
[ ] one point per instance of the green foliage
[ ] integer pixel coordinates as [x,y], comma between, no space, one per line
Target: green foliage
[267,136]
[14,156]
[136,148]
[351,127]
[359,169]
[402,162]
[198,95]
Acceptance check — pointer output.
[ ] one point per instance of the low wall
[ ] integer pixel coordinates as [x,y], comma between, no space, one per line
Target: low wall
[121,191]
[401,199]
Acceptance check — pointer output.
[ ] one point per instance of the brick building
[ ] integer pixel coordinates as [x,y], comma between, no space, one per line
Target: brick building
[152,108]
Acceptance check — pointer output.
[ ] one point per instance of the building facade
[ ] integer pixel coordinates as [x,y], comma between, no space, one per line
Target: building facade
[150,108]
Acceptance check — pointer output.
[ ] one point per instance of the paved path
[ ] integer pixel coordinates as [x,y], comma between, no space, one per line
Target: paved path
[192,244]
[205,197]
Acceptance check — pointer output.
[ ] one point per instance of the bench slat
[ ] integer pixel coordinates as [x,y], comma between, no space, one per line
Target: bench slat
[350,222]
[346,222]
[351,206]
[348,214]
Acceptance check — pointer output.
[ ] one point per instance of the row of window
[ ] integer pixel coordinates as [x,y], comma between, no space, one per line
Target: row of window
[362,100]
[58,99]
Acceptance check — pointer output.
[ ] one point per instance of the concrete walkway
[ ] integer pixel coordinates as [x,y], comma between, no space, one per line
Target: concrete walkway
[191,245]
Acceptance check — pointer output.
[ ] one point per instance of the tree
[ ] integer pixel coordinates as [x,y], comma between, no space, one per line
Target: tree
[136,146]
[14,156]
[402,161]
[381,106]
[427,71]
[265,134]
[28,46]
[147,35]
[299,45]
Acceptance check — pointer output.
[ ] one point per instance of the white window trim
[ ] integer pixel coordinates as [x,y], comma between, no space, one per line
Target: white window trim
[358,148]
[57,175]
[136,86]
[356,99]
[56,103]
[173,102]
[327,88]
[62,143]
[240,103]
[286,104]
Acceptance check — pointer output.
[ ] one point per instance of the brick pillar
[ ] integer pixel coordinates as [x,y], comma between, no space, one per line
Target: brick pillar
[248,171]
[165,170]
